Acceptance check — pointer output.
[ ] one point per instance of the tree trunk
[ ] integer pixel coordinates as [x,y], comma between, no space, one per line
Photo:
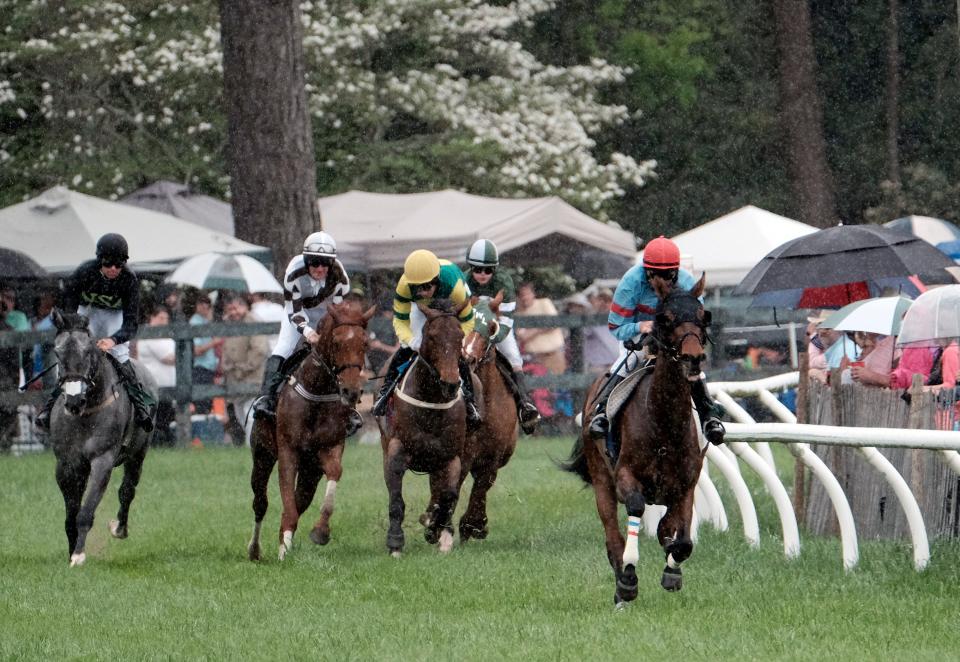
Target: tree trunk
[802,116]
[893,95]
[272,162]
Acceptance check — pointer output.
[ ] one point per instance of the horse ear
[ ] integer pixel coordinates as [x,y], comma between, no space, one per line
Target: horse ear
[57,319]
[474,300]
[661,288]
[368,315]
[82,322]
[493,328]
[497,300]
[701,285]
[427,311]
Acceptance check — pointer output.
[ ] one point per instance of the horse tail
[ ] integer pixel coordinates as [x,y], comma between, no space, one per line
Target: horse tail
[577,462]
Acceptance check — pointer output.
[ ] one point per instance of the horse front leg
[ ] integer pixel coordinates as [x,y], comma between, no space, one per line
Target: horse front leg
[473,524]
[289,461]
[132,470]
[629,491]
[674,536]
[308,477]
[72,478]
[263,462]
[100,469]
[332,463]
[445,491]
[394,466]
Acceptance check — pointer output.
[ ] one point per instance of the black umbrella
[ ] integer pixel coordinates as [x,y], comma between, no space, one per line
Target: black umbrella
[841,255]
[15,265]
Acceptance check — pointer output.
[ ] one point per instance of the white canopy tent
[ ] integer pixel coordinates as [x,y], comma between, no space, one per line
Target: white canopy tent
[59,229]
[727,248]
[378,231]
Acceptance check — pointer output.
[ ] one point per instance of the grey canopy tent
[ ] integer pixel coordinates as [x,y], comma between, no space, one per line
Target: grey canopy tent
[178,200]
[59,229]
[379,230]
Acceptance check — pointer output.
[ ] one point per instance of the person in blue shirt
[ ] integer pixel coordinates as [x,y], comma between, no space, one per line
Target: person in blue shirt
[631,319]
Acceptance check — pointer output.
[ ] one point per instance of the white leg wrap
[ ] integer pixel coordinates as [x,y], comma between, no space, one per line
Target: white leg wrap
[671,563]
[446,541]
[329,495]
[631,553]
[286,545]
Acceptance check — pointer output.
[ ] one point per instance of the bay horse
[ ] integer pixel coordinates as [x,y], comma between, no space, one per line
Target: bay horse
[92,430]
[425,426]
[660,456]
[489,447]
[310,431]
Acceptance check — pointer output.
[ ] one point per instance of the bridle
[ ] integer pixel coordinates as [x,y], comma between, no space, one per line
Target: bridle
[334,371]
[662,327]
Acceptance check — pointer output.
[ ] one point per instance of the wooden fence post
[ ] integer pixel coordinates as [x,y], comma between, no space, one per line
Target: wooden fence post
[918,402]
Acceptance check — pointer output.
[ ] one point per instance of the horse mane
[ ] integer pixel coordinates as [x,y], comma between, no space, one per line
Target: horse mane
[444,306]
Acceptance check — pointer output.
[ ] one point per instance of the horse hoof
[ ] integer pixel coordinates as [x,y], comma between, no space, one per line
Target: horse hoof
[116,530]
[77,560]
[672,579]
[446,541]
[395,553]
[468,531]
[319,536]
[431,536]
[627,584]
[253,552]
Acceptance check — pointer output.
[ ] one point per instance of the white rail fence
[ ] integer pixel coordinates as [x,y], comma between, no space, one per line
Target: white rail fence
[798,438]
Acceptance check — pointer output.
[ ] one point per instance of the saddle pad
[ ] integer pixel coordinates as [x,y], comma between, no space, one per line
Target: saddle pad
[623,390]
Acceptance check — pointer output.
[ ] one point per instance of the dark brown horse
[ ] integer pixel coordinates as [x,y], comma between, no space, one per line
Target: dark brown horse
[310,430]
[660,456]
[491,445]
[424,428]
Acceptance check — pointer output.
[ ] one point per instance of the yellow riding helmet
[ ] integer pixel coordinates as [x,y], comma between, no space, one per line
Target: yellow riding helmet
[421,267]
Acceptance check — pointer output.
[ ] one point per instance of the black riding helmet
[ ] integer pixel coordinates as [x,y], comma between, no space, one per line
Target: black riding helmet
[112,245]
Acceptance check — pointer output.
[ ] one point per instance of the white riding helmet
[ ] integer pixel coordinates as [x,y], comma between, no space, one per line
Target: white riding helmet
[320,243]
[483,253]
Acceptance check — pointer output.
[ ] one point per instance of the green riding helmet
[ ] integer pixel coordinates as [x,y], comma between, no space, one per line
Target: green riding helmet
[483,253]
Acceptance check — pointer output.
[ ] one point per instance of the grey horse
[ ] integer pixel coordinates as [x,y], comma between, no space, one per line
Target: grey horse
[92,430]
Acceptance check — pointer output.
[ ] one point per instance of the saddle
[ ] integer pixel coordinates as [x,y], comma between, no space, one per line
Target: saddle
[618,398]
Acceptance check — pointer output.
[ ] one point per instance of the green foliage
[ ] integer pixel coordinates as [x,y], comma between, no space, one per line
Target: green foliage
[538,588]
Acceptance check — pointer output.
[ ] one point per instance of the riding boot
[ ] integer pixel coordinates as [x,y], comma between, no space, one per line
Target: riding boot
[527,411]
[600,424]
[265,406]
[709,412]
[42,419]
[400,357]
[469,400]
[144,405]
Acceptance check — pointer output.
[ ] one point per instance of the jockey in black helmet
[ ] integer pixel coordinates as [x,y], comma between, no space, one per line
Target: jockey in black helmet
[107,292]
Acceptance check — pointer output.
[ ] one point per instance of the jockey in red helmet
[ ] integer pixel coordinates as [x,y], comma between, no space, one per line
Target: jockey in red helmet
[631,319]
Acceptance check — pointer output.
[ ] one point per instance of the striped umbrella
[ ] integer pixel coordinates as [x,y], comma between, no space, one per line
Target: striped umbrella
[212,271]
[882,315]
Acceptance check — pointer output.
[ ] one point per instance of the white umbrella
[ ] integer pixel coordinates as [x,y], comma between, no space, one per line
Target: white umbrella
[211,271]
[882,315]
[934,315]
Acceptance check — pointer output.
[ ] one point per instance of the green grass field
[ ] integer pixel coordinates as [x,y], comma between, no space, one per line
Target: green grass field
[538,588]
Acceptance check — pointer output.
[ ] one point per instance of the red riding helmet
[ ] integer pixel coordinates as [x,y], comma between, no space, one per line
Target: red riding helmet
[661,253]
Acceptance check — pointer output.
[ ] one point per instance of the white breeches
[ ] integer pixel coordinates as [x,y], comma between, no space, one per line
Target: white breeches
[103,324]
[417,320]
[511,352]
[290,337]
[636,356]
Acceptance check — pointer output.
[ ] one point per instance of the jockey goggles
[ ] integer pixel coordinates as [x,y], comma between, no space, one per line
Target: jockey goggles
[419,287]
[669,275]
[112,262]
[483,270]
[317,261]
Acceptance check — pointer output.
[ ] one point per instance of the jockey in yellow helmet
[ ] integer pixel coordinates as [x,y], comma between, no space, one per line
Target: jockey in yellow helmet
[426,277]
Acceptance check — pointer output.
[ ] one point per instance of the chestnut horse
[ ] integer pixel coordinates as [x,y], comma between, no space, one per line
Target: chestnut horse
[310,430]
[660,456]
[425,426]
[491,445]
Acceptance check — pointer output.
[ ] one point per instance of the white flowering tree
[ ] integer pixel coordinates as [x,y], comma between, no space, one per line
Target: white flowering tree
[404,95]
